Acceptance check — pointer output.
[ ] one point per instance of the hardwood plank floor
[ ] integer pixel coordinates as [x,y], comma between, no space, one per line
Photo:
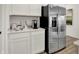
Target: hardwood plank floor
[70,47]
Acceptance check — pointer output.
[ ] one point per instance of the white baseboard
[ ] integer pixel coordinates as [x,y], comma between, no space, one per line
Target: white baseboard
[73,36]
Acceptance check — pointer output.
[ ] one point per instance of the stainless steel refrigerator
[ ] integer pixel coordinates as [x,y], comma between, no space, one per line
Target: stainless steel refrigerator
[54,21]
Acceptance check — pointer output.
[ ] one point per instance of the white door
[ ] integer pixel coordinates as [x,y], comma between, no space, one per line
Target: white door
[38,41]
[19,46]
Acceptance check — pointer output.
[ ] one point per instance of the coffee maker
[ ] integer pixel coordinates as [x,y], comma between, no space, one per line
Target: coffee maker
[34,25]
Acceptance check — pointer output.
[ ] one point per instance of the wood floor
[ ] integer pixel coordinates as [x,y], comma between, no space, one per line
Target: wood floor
[70,47]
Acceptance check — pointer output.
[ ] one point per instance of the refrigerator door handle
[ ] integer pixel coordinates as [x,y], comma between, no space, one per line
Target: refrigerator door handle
[57,23]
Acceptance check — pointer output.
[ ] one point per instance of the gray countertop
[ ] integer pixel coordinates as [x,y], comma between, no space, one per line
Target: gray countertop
[26,30]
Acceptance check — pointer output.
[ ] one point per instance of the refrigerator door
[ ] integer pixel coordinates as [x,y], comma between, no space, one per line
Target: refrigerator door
[53,41]
[62,31]
[53,35]
[53,10]
[53,21]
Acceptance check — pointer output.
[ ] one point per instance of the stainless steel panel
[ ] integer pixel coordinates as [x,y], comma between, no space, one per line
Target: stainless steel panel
[62,31]
[61,24]
[53,10]
[62,43]
[57,34]
[53,35]
[61,11]
[50,20]
[53,41]
[61,35]
[53,47]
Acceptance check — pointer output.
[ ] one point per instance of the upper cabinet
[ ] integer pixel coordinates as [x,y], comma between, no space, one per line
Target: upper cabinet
[20,9]
[35,9]
[26,9]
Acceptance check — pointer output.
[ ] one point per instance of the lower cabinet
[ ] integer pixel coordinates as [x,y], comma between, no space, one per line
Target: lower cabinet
[26,43]
[19,46]
[37,41]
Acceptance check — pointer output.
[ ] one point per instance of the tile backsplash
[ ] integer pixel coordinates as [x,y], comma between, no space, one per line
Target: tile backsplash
[15,19]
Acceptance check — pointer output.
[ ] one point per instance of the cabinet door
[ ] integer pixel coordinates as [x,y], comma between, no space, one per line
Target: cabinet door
[38,41]
[19,46]
[35,9]
[20,9]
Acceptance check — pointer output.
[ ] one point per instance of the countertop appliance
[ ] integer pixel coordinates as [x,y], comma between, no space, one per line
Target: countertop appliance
[34,25]
[54,21]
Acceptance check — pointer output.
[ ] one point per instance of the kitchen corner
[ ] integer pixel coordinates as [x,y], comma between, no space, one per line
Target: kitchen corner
[29,41]
[25,35]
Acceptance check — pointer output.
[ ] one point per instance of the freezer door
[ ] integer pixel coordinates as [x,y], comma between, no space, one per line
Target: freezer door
[53,21]
[53,35]
[53,42]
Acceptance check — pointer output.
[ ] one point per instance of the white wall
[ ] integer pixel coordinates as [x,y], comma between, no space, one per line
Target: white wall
[0,18]
[73,30]
[0,29]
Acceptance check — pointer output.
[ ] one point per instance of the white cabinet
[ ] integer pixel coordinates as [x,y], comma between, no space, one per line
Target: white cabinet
[35,9]
[19,43]
[27,43]
[37,41]
[26,9]
[19,46]
[20,9]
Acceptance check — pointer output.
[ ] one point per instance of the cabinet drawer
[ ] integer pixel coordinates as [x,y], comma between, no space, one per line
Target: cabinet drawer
[18,35]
